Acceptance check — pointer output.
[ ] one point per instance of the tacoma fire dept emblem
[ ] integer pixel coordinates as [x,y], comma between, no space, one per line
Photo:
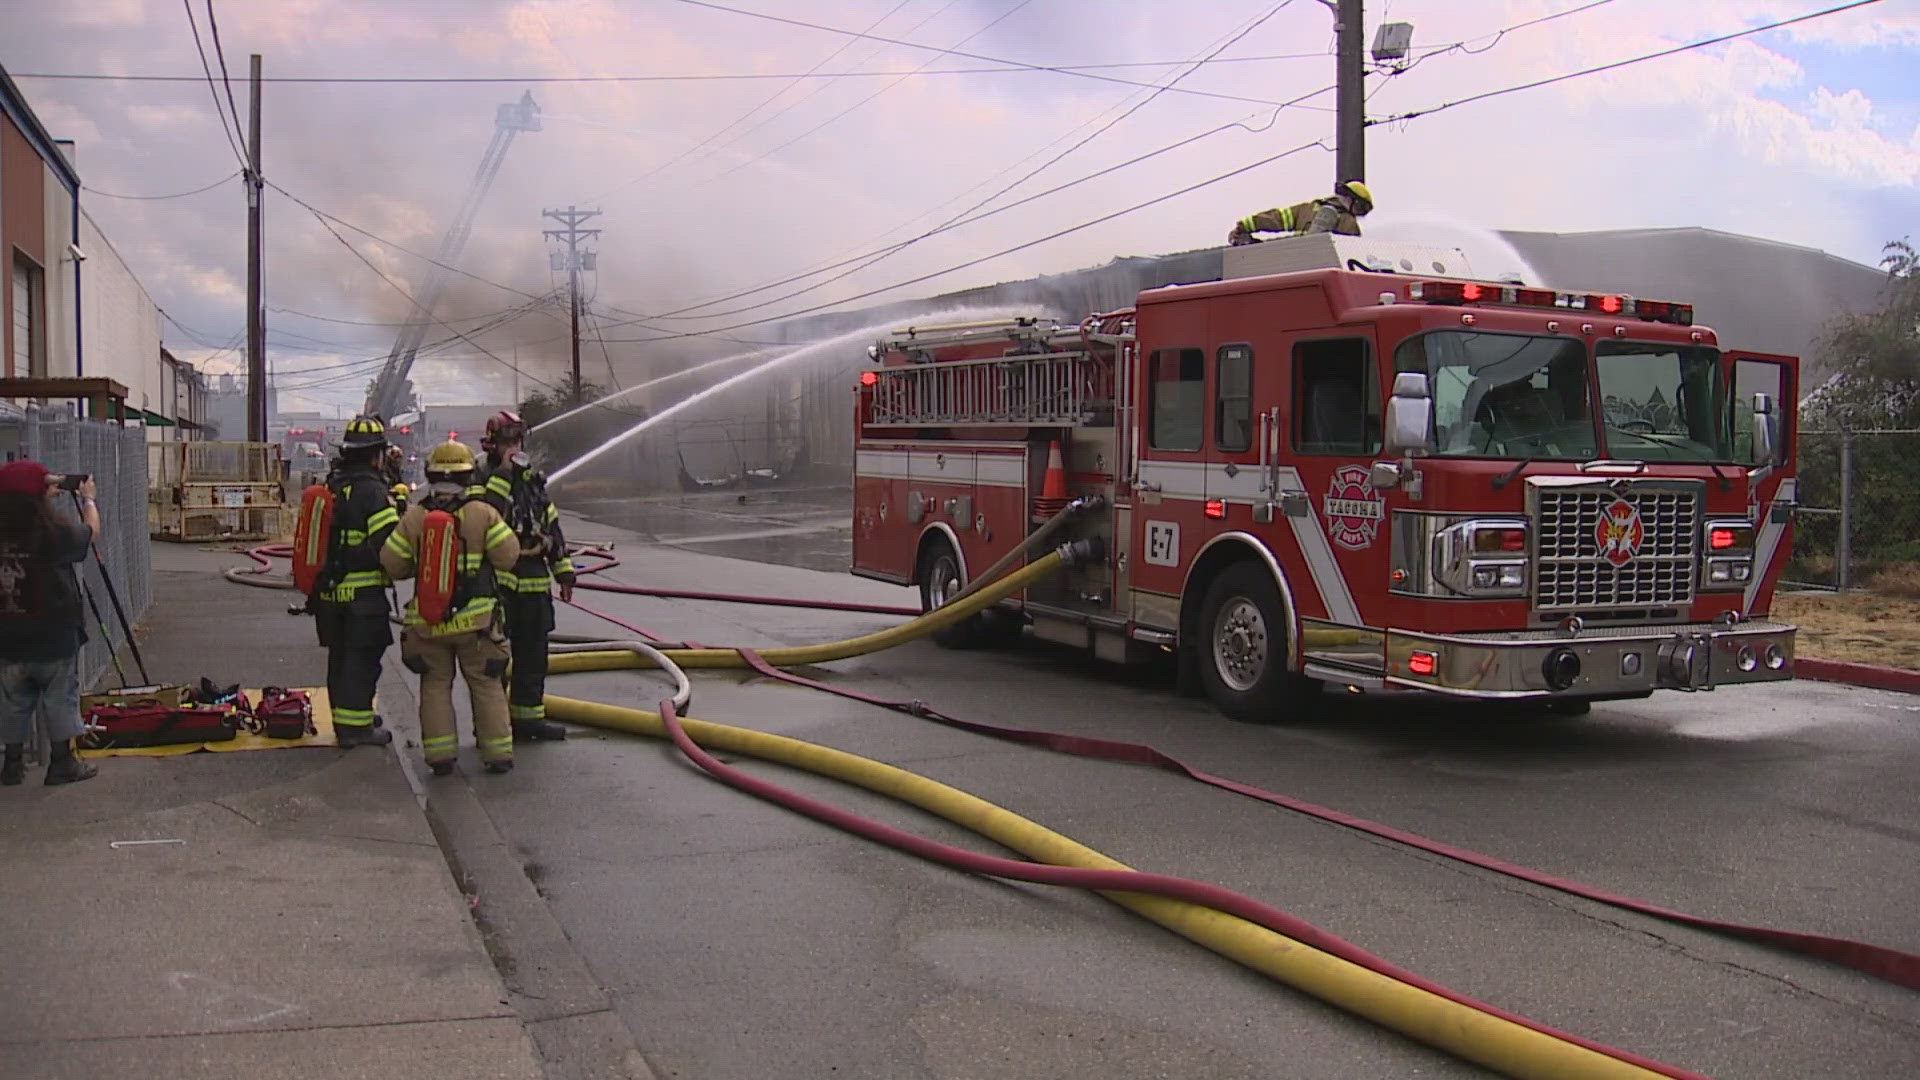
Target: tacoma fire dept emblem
[1354,509]
[1619,532]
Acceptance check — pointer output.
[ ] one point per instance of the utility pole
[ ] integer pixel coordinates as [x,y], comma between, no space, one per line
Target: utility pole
[573,261]
[256,325]
[1350,158]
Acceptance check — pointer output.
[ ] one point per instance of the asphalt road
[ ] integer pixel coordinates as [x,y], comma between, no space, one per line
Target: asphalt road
[740,941]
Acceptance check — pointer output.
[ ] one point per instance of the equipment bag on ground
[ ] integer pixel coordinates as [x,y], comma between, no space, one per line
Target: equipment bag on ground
[123,726]
[284,714]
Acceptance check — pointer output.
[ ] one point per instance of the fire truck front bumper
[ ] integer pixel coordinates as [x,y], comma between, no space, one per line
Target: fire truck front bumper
[1614,661]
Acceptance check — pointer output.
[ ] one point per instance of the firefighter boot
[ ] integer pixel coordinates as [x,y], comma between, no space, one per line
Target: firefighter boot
[348,736]
[67,768]
[504,765]
[441,768]
[13,765]
[538,731]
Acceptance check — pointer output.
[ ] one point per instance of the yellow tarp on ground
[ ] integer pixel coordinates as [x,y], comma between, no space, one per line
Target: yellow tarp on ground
[246,740]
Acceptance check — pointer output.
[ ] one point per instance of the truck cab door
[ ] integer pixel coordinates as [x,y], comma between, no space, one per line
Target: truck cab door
[1770,502]
[1330,436]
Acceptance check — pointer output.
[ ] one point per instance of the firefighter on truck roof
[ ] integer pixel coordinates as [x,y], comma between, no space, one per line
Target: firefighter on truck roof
[1339,213]
[519,493]
[350,608]
[469,636]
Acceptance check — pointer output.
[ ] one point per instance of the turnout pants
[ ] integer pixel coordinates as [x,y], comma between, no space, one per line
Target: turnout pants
[481,658]
[355,642]
[529,621]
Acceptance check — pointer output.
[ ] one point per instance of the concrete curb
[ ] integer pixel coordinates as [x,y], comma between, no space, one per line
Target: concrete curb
[1873,676]
[561,1005]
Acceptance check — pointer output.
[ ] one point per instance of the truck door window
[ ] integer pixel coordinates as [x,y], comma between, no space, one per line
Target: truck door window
[1504,395]
[1752,377]
[1178,405]
[1233,398]
[1336,398]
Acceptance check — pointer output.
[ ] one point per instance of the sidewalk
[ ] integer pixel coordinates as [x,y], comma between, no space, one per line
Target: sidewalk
[306,925]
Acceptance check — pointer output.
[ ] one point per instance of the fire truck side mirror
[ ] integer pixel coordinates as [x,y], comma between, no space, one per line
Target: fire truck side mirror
[1767,451]
[1410,416]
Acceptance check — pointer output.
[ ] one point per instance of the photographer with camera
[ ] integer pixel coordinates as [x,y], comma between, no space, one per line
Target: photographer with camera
[42,625]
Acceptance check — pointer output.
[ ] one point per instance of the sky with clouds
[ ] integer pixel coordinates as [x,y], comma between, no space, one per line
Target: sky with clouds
[1808,134]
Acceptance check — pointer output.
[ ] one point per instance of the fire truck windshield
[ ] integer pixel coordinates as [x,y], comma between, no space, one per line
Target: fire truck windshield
[1506,396]
[1663,402]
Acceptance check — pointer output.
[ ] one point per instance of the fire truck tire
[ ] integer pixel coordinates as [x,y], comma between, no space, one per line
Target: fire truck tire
[941,580]
[1242,643]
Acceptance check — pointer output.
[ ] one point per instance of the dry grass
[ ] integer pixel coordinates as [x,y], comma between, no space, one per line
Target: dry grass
[1866,627]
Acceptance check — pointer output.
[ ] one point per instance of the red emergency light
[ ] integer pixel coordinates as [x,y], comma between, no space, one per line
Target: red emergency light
[1421,662]
[1481,292]
[869,378]
[1215,508]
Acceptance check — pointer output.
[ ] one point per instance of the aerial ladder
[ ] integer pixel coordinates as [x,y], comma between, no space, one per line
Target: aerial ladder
[391,396]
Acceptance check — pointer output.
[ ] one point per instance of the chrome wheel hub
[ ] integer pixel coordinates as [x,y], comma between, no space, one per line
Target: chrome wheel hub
[1240,644]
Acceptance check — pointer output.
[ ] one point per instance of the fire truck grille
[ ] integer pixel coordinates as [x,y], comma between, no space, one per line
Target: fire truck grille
[1572,571]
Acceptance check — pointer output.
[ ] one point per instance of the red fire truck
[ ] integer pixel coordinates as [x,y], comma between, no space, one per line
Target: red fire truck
[1335,467]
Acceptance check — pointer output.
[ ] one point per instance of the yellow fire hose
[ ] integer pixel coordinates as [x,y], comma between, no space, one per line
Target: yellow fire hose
[1459,1029]
[826,652]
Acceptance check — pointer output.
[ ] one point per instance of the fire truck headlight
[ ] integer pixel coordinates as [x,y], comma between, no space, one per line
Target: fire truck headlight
[1720,572]
[1513,577]
[1485,577]
[1742,571]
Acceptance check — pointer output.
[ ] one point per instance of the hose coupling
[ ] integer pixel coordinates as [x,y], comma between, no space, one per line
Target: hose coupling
[1086,503]
[1091,550]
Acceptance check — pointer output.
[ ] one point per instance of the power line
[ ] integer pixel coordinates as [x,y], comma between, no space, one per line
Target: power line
[1143,103]
[1497,35]
[213,25]
[326,217]
[397,287]
[175,195]
[1071,229]
[874,256]
[738,120]
[612,376]
[964,55]
[1003,16]
[365,322]
[214,89]
[718,76]
[1617,63]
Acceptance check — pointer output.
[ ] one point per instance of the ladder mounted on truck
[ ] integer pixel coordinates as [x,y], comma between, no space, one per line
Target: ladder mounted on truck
[1045,375]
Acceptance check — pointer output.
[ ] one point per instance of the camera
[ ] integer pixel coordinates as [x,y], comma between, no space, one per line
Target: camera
[72,481]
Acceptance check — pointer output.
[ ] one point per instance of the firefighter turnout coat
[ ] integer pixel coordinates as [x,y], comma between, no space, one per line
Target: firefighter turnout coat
[488,552]
[518,494]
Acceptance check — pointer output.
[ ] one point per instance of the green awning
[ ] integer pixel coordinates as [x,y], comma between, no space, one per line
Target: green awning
[152,419]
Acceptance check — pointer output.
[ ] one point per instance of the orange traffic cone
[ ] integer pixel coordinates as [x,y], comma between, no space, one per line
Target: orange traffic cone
[1053,495]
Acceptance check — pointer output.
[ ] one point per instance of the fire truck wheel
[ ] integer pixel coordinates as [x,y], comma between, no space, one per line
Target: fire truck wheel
[1243,649]
[940,579]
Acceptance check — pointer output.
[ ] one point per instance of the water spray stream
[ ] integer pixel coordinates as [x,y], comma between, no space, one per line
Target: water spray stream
[826,347]
[1489,254]
[731,358]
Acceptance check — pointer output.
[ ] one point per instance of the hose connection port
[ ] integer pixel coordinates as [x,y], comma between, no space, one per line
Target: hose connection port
[1561,668]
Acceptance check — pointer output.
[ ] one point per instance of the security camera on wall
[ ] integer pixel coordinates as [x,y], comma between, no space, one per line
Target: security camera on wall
[78,255]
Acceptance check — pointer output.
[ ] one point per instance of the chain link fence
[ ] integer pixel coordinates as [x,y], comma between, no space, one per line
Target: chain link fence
[116,458]
[1858,525]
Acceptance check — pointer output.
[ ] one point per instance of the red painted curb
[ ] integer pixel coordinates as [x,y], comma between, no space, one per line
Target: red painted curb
[1870,675]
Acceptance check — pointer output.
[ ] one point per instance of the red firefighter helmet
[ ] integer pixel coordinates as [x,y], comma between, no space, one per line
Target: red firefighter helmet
[503,425]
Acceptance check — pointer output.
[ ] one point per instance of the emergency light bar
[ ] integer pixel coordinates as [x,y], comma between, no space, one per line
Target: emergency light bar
[1475,292]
